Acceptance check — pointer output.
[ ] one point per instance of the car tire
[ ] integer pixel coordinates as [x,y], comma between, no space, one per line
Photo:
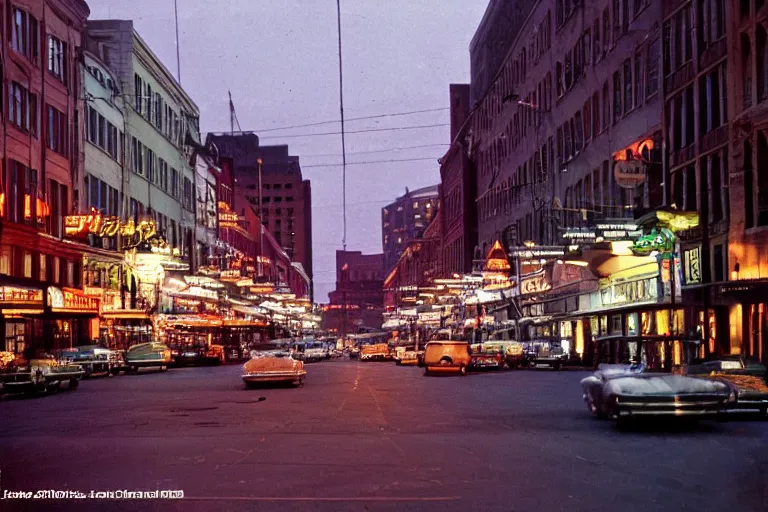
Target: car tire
[52,387]
[462,370]
[73,383]
[426,371]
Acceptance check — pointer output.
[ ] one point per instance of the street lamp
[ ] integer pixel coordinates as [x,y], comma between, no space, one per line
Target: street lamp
[261,223]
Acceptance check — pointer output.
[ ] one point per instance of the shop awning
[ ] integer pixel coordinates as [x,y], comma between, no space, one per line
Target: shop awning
[204,282]
[250,310]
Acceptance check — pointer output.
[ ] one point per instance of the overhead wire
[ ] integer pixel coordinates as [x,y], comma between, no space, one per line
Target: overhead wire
[362,118]
[373,162]
[369,130]
[377,150]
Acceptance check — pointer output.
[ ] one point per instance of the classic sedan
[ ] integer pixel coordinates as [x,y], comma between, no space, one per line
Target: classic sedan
[748,375]
[278,367]
[43,373]
[625,391]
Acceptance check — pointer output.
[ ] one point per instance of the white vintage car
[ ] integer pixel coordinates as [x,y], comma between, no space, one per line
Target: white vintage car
[625,391]
[276,367]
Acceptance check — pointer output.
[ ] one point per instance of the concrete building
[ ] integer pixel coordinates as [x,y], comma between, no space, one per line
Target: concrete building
[42,147]
[577,91]
[405,219]
[161,132]
[746,155]
[458,190]
[286,196]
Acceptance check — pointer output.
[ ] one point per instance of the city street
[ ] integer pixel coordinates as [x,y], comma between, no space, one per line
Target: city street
[369,436]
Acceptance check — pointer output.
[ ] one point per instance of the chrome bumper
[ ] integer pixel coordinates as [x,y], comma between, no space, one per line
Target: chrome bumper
[273,376]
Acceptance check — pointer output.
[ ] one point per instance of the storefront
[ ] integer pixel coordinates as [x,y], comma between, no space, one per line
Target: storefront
[21,310]
[71,319]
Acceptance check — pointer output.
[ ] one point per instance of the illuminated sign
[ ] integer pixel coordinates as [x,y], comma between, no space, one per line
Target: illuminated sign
[614,231]
[262,289]
[94,223]
[18,295]
[661,240]
[535,284]
[71,300]
[692,265]
[496,260]
[536,252]
[634,291]
[629,173]
[230,275]
[579,235]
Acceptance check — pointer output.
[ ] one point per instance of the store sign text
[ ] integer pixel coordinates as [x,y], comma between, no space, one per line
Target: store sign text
[634,291]
[536,284]
[15,295]
[692,265]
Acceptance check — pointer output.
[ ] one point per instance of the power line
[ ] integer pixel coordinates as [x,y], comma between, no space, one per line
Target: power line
[385,201]
[377,116]
[377,150]
[343,145]
[374,162]
[397,128]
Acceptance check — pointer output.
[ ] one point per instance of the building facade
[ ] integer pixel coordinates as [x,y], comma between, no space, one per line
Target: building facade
[359,279]
[747,170]
[405,219]
[285,196]
[458,191]
[41,275]
[161,132]
[577,92]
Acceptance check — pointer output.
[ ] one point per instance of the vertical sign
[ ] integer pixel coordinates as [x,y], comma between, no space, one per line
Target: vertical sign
[692,265]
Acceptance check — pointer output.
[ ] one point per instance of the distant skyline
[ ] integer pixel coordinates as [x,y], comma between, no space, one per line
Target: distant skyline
[281,64]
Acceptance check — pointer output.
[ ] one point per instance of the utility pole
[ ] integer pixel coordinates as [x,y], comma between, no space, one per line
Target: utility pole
[178,53]
[343,145]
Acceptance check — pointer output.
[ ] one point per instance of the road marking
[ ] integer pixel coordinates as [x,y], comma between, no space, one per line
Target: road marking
[321,498]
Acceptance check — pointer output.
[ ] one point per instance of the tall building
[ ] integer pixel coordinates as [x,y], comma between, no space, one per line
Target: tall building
[41,276]
[161,130]
[458,190]
[358,300]
[285,196]
[561,113]
[746,156]
[405,219]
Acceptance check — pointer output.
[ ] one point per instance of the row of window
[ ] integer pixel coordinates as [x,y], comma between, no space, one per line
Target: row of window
[100,132]
[145,162]
[17,262]
[27,201]
[24,37]
[154,109]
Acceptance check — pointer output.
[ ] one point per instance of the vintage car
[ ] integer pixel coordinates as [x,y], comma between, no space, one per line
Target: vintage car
[315,354]
[748,375]
[93,359]
[486,357]
[545,354]
[446,357]
[625,391]
[42,373]
[148,355]
[409,358]
[278,367]
[200,356]
[375,352]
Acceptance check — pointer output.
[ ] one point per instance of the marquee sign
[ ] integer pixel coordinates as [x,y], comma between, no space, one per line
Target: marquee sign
[629,173]
[133,233]
[71,300]
[19,295]
[535,284]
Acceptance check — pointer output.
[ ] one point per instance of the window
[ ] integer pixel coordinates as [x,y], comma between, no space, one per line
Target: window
[57,57]
[624,17]
[595,114]
[616,97]
[628,90]
[57,133]
[27,264]
[151,165]
[22,108]
[616,20]
[43,267]
[138,91]
[174,182]
[24,33]
[70,273]
[187,198]
[587,121]
[137,156]
[597,49]
[158,111]
[719,261]
[606,30]
[289,199]
[638,80]
[148,112]
[652,69]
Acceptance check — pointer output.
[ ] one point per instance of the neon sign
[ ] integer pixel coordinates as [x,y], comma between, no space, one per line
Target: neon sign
[661,240]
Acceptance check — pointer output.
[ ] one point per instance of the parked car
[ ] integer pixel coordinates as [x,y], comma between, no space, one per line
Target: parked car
[409,358]
[277,367]
[485,357]
[748,375]
[447,357]
[545,354]
[93,359]
[625,391]
[148,355]
[41,373]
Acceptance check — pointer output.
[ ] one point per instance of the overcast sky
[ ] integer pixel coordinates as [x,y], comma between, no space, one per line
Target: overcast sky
[280,61]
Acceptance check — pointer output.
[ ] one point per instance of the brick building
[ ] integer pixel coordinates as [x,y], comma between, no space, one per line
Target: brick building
[358,300]
[747,170]
[42,145]
[405,219]
[286,196]
[458,190]
[577,91]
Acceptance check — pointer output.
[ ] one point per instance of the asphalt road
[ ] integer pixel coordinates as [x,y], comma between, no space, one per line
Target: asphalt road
[369,436]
